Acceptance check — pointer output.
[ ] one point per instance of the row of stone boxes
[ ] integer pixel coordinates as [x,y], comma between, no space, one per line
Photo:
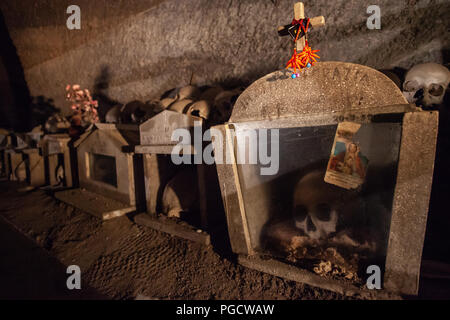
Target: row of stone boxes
[118,169]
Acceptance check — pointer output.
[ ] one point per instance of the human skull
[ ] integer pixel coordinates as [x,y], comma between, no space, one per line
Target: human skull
[113,114]
[426,84]
[171,94]
[33,139]
[56,123]
[181,193]
[132,111]
[181,105]
[318,206]
[223,105]
[147,111]
[59,174]
[210,93]
[166,102]
[200,109]
[188,92]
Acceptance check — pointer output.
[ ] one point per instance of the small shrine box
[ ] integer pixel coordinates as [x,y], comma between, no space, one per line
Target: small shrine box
[108,172]
[14,158]
[58,160]
[193,188]
[24,160]
[284,219]
[5,143]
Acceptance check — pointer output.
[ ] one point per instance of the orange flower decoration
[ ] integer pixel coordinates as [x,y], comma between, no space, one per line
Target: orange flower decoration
[304,59]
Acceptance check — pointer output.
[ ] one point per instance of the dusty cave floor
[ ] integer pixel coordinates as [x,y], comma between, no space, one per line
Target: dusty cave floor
[121,260]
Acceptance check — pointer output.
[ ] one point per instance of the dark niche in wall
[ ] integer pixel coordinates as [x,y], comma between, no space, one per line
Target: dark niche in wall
[15,100]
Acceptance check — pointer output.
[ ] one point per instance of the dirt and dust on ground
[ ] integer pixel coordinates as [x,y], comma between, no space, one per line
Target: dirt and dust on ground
[119,259]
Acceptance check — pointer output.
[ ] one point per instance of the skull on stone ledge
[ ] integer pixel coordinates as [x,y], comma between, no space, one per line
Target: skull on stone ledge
[426,84]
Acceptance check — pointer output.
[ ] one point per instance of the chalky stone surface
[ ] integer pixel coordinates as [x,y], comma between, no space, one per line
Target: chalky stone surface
[412,196]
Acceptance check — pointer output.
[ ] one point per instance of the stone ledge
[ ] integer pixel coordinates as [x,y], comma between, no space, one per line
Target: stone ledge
[173,228]
[95,204]
[286,271]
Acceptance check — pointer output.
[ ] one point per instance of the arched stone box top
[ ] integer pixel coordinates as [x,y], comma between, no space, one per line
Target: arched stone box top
[327,87]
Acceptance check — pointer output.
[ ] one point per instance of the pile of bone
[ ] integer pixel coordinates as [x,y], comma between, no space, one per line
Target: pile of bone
[213,104]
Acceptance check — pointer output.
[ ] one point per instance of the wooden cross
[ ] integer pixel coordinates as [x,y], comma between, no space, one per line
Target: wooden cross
[299,13]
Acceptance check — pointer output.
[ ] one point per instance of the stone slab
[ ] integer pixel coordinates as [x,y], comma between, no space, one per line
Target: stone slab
[158,129]
[36,170]
[95,204]
[162,149]
[284,270]
[107,141]
[411,200]
[327,87]
[175,228]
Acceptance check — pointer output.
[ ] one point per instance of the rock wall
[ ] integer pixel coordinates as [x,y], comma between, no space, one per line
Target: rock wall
[137,49]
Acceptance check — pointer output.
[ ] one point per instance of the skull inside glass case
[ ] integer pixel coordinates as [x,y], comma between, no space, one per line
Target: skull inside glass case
[297,216]
[336,181]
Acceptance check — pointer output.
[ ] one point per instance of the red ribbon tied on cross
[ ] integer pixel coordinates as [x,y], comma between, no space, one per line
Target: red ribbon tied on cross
[302,26]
